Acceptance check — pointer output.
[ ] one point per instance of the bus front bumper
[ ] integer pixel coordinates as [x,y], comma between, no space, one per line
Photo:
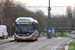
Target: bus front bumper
[24,38]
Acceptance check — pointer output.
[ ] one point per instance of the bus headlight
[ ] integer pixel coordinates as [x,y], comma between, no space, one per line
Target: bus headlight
[31,35]
[16,35]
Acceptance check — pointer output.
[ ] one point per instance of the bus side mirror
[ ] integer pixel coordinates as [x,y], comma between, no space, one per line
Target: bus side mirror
[13,24]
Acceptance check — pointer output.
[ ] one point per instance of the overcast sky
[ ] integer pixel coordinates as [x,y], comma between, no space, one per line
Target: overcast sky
[55,10]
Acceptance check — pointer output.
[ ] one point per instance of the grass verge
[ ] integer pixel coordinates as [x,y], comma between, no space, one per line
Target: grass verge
[59,35]
[73,37]
[10,36]
[71,46]
[1,41]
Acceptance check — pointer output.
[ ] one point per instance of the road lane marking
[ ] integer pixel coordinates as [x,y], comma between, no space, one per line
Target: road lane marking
[14,47]
[30,43]
[44,44]
[57,45]
[58,38]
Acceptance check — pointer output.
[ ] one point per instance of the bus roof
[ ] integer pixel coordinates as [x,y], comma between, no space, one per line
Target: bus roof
[26,19]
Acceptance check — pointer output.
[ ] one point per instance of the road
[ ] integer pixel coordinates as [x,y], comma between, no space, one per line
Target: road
[42,44]
[72,35]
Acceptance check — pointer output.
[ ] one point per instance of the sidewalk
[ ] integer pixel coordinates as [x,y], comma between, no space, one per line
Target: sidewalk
[73,40]
[66,46]
[6,40]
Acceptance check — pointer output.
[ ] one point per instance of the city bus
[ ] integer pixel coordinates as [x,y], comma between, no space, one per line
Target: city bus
[26,28]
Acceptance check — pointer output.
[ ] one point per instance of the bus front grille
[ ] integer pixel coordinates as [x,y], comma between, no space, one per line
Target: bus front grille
[23,35]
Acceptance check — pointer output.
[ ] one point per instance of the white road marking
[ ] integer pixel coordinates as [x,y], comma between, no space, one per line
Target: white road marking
[43,45]
[13,47]
[70,41]
[58,44]
[58,38]
[66,47]
[37,48]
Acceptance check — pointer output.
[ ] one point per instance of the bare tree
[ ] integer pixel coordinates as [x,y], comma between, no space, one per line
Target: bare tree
[70,16]
[74,16]
[7,14]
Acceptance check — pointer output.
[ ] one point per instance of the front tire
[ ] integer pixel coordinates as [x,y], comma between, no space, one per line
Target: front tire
[36,39]
[18,40]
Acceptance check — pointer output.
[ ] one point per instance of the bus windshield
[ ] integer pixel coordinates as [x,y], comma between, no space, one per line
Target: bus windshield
[24,28]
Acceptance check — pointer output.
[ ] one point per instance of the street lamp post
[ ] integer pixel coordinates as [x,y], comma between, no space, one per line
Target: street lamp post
[49,21]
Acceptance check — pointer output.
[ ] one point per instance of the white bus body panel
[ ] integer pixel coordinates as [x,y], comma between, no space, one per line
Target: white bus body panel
[25,19]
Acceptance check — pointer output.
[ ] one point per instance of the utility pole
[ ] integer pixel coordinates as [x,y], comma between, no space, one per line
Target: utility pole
[12,21]
[12,25]
[49,22]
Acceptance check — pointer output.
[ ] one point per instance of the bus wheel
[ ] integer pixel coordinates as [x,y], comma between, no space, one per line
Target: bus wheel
[36,39]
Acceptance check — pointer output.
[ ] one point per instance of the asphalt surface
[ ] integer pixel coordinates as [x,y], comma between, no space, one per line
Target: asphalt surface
[73,40]
[42,44]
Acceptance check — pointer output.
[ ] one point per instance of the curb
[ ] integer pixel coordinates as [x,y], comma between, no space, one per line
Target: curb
[66,45]
[7,42]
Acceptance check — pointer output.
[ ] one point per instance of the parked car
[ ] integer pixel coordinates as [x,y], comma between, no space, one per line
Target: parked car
[3,32]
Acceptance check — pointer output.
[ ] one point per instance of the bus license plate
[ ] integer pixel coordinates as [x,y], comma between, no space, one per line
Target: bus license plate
[23,38]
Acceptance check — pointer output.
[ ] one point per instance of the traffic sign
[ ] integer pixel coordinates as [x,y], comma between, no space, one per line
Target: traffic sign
[49,31]
[36,31]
